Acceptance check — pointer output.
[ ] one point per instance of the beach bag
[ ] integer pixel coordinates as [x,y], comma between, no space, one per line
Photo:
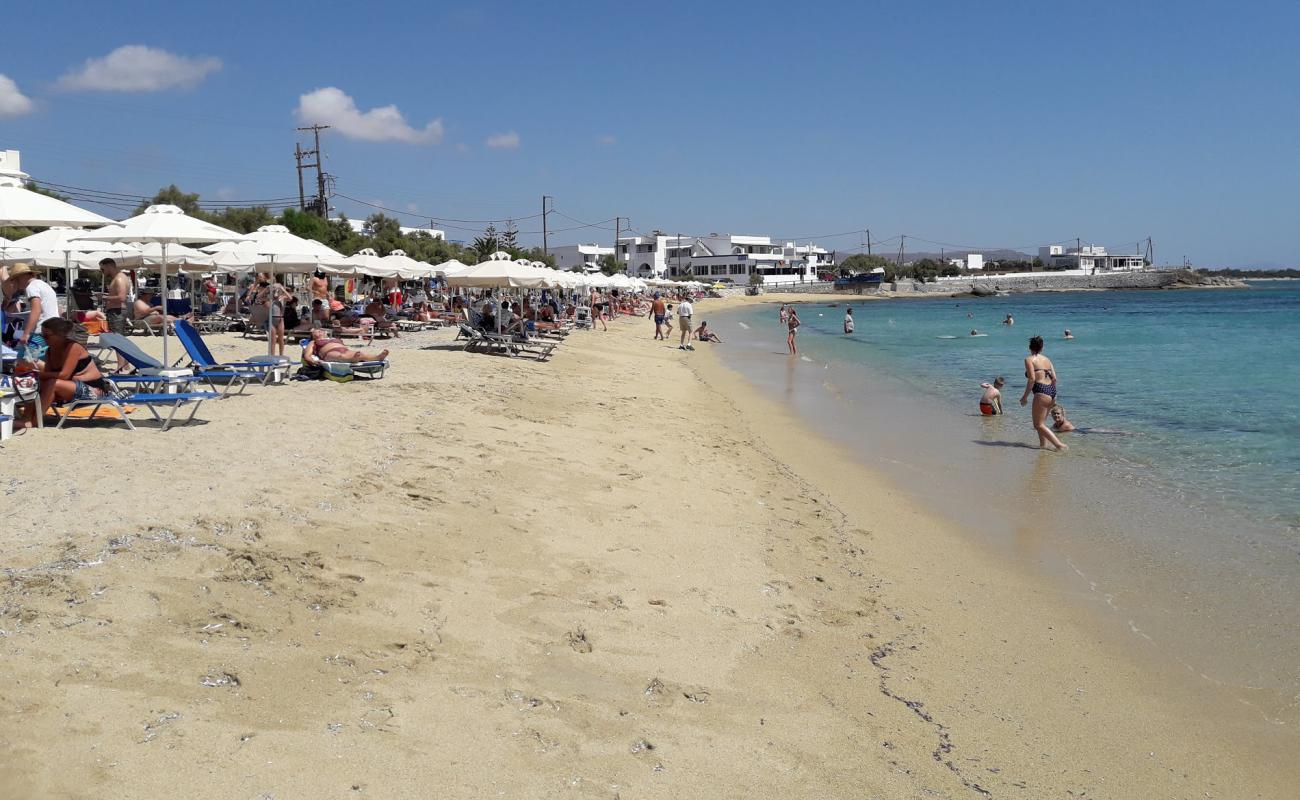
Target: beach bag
[310,372]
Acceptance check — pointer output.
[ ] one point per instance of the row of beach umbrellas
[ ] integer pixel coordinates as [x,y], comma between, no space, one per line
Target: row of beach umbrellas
[161,237]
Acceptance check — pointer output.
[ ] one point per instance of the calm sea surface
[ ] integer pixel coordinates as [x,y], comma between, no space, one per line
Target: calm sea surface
[1178,506]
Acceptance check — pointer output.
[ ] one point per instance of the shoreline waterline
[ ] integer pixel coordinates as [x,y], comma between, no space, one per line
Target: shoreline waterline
[619,571]
[1025,507]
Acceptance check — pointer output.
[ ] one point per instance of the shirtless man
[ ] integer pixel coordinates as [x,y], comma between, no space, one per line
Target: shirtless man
[115,296]
[323,348]
[659,310]
[319,288]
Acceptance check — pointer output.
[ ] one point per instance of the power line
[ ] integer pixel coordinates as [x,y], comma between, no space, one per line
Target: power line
[431,217]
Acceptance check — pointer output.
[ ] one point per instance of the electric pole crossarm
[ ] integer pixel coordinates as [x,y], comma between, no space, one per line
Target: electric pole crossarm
[322,202]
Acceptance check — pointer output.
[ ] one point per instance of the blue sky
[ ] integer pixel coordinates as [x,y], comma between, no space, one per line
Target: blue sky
[974,124]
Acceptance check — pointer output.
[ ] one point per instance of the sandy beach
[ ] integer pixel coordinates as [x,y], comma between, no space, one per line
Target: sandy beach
[619,574]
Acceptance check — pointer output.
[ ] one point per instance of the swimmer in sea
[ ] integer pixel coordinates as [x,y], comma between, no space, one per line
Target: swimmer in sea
[1010,320]
[1068,335]
[991,400]
[974,332]
[848,321]
[1059,423]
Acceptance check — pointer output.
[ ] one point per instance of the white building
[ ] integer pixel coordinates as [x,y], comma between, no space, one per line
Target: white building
[580,256]
[359,226]
[1089,258]
[654,255]
[722,257]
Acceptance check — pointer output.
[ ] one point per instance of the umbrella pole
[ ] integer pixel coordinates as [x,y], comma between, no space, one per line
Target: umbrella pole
[162,287]
[270,311]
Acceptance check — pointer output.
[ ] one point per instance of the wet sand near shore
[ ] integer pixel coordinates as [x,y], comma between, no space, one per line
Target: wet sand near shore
[618,574]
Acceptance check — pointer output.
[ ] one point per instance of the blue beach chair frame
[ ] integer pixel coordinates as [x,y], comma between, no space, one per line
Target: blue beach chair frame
[142,361]
[149,400]
[203,362]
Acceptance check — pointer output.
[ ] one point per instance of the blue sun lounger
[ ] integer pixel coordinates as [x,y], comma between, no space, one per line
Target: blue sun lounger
[202,360]
[344,371]
[149,400]
[145,364]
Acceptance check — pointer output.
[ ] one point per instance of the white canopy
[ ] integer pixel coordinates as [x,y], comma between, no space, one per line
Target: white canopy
[500,271]
[21,206]
[53,247]
[166,225]
[408,268]
[367,262]
[451,267]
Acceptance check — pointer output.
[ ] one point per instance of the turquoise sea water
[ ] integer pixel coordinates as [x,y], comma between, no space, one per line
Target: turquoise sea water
[1176,512]
[1203,386]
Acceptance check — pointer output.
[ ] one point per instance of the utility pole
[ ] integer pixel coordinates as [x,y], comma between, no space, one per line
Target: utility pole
[297,156]
[901,240]
[322,204]
[546,199]
[618,230]
[868,241]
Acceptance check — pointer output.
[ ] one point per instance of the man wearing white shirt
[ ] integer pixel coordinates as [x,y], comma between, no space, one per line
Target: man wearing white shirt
[684,312]
[42,304]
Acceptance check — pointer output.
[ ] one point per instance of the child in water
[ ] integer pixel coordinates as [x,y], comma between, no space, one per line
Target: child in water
[991,401]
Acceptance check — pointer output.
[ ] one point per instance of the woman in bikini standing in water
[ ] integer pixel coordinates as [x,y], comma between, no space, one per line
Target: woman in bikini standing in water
[792,322]
[1042,383]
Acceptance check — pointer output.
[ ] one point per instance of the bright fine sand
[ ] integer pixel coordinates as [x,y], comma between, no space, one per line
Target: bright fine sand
[619,574]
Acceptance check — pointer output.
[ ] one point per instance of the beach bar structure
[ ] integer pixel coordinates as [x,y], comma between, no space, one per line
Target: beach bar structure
[1089,259]
[722,257]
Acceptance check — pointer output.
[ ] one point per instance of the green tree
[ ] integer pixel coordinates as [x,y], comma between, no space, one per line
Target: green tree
[172,196]
[510,235]
[862,262]
[244,220]
[485,245]
[609,265]
[926,269]
[536,254]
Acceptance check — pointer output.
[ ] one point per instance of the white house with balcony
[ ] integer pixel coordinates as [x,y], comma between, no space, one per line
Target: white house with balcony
[735,258]
[1089,258]
[585,257]
[655,255]
[722,257]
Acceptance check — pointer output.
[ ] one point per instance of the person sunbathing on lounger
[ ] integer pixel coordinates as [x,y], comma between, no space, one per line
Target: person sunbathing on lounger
[376,311]
[323,348]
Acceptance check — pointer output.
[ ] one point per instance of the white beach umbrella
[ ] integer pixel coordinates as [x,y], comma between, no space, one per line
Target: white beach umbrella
[276,249]
[450,267]
[367,262]
[166,225]
[21,206]
[498,272]
[408,268]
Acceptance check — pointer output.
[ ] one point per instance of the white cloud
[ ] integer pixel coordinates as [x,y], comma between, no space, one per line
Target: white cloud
[137,68]
[333,107]
[13,103]
[607,140]
[504,141]
[461,147]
